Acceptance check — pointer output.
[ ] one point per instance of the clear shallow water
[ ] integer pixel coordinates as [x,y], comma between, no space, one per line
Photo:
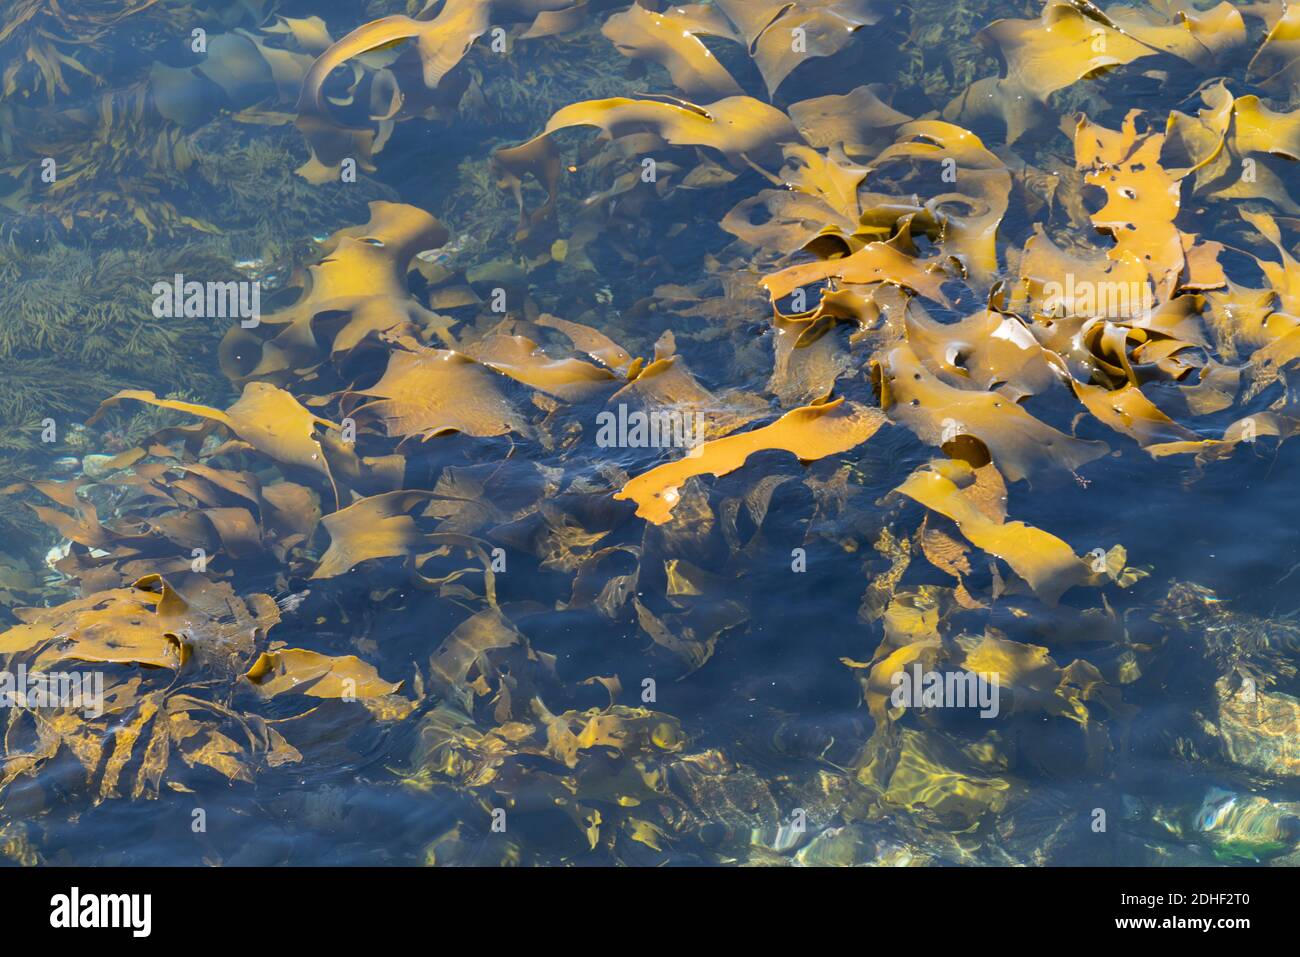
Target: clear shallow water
[757,745]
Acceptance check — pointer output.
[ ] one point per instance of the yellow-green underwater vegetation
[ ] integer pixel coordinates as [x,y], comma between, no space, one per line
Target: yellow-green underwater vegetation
[555,432]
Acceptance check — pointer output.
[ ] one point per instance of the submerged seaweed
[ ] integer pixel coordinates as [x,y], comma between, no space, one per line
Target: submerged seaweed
[608,469]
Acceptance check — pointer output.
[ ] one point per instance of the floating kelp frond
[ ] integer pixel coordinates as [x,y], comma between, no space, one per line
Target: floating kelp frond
[940,414]
[809,433]
[873,263]
[190,640]
[1274,63]
[1048,564]
[739,127]
[170,516]
[521,359]
[363,274]
[430,392]
[828,26]
[1141,199]
[268,419]
[441,43]
[319,676]
[970,236]
[672,39]
[1038,58]
[375,527]
[142,624]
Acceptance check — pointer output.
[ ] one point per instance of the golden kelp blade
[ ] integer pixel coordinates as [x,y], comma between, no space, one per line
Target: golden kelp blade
[987,350]
[1128,411]
[875,262]
[1200,40]
[149,623]
[269,419]
[970,230]
[123,626]
[739,127]
[1048,564]
[859,123]
[363,272]
[767,26]
[1256,128]
[375,527]
[593,342]
[522,360]
[431,392]
[812,432]
[939,413]
[670,39]
[1040,57]
[441,43]
[1142,199]
[302,671]
[540,158]
[1277,62]
[930,778]
[1044,265]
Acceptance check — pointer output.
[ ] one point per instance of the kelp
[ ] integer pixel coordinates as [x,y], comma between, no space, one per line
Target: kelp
[1048,565]
[885,330]
[1039,57]
[198,637]
[828,26]
[739,127]
[810,433]
[431,392]
[443,34]
[117,142]
[40,40]
[673,40]
[363,274]
[121,156]
[269,420]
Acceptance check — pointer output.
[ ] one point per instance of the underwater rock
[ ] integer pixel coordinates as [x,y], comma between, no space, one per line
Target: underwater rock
[1258,730]
[854,846]
[57,553]
[836,847]
[1247,826]
[727,806]
[97,466]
